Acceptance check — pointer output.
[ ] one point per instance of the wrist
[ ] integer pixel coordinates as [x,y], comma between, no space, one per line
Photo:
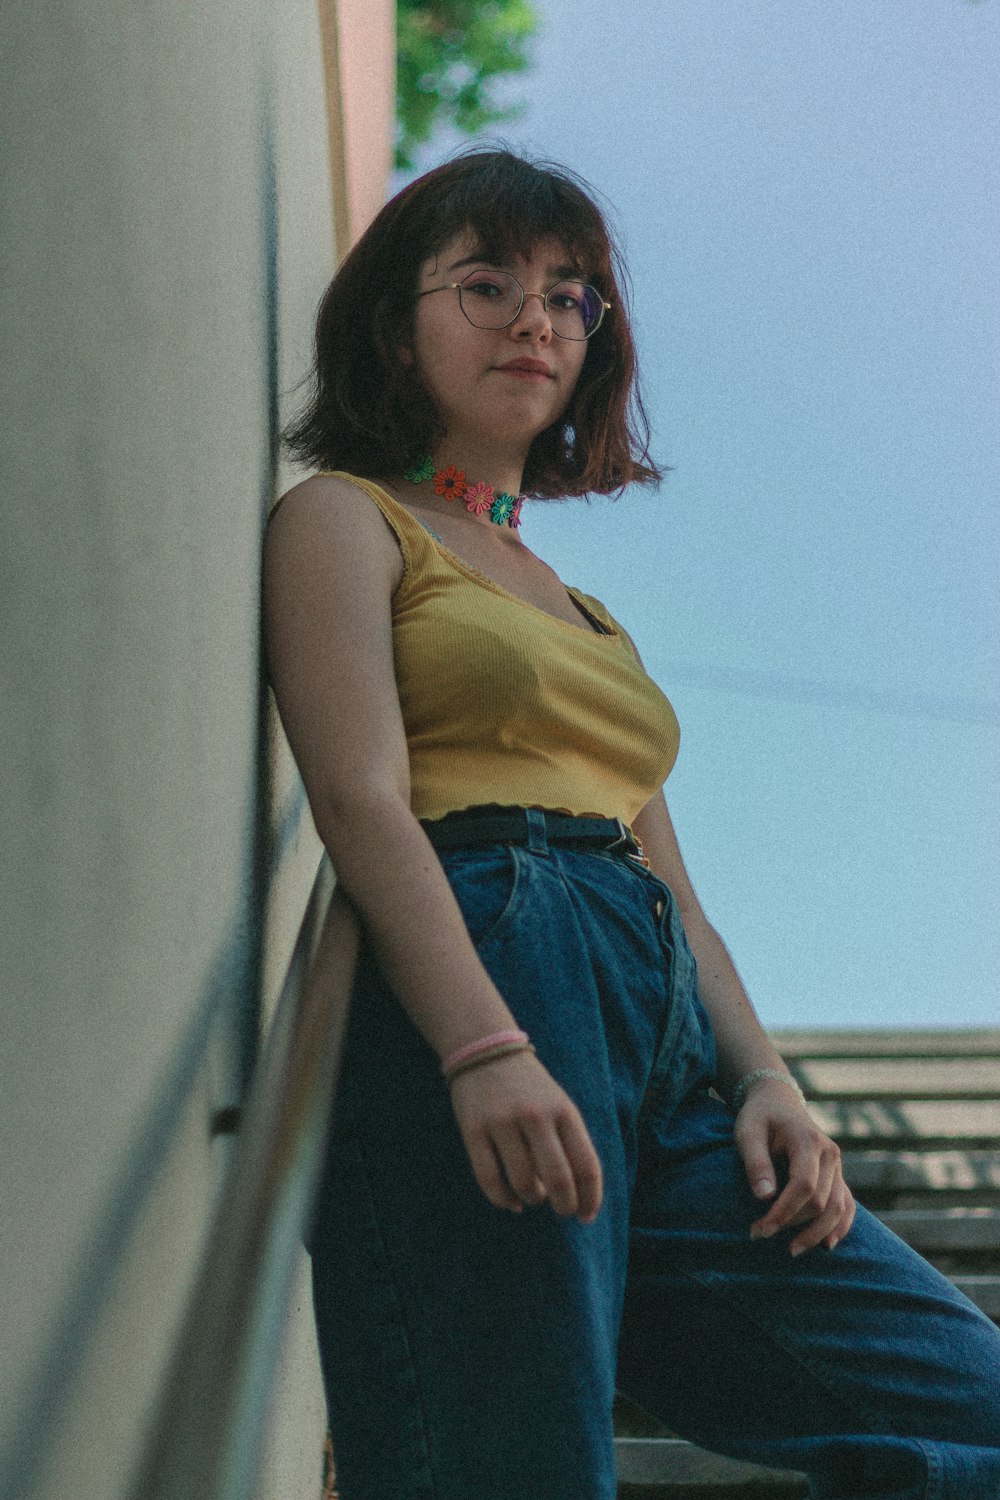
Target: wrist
[485,1049]
[746,1084]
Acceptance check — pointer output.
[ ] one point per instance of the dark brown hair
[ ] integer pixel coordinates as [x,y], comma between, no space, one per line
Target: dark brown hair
[368,412]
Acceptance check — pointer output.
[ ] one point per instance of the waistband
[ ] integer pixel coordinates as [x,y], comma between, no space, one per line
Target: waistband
[477,827]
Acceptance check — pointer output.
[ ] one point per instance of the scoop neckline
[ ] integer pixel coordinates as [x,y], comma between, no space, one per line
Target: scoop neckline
[459,563]
[483,578]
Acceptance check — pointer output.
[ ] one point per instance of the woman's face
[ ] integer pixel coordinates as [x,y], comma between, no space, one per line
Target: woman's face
[481,379]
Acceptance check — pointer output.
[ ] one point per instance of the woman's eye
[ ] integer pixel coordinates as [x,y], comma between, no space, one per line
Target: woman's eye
[568,296]
[485,287]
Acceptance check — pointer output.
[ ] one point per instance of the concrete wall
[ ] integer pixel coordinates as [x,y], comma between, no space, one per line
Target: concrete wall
[168,232]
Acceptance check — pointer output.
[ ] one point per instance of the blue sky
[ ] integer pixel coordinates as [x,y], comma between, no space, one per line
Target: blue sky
[808,200]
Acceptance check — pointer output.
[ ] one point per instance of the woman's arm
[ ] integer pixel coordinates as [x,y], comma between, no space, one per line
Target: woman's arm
[772,1124]
[330,568]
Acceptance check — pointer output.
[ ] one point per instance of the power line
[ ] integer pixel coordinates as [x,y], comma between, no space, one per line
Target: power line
[751,683]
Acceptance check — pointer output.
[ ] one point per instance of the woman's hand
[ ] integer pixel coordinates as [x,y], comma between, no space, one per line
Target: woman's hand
[773,1125]
[526,1138]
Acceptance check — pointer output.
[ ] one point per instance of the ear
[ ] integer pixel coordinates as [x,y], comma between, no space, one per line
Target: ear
[405,355]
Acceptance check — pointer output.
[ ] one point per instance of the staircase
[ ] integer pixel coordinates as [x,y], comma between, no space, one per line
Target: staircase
[917,1117]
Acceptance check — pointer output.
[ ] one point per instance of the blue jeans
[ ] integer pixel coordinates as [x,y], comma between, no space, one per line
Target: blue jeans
[470,1353]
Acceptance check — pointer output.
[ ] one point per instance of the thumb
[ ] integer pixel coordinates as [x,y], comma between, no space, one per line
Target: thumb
[752,1146]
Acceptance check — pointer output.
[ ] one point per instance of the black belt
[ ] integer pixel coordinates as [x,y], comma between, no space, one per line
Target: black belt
[477,827]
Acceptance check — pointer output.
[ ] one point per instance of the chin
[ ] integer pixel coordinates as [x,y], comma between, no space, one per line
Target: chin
[519,417]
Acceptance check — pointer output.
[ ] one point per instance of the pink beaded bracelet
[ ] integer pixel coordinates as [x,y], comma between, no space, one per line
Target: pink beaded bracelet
[472,1049]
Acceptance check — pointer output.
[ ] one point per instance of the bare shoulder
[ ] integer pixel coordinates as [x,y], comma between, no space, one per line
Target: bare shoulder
[328,513]
[330,565]
[330,568]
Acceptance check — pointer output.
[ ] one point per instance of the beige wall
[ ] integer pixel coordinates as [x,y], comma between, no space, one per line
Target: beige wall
[141,239]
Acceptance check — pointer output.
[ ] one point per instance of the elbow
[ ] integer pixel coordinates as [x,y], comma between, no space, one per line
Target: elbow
[363,809]
[695,923]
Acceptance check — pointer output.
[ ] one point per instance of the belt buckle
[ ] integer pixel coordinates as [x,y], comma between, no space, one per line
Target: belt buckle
[623,835]
[626,838]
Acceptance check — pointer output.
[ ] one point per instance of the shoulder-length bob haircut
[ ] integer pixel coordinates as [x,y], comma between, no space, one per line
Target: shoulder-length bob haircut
[368,412]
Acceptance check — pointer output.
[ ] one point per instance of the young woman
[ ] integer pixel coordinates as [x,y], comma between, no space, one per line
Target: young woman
[534,1193]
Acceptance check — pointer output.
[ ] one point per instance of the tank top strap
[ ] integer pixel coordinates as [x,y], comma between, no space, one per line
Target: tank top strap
[600,612]
[414,539]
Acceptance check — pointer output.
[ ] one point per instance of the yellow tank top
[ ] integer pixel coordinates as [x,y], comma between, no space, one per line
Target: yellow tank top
[504,703]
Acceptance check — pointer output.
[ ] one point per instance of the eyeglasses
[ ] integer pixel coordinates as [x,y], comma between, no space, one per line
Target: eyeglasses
[493,299]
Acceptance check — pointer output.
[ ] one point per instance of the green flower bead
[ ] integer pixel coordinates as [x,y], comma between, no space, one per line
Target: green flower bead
[502,507]
[420,471]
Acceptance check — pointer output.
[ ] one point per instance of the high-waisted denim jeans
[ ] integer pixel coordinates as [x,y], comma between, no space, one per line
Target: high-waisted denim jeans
[470,1353]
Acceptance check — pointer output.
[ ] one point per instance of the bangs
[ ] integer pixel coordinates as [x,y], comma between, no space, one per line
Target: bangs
[509,205]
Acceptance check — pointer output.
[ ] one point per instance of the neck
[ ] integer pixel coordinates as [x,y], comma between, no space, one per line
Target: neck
[478,461]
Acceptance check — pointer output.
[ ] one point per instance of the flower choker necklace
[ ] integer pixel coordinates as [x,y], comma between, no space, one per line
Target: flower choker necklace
[480,498]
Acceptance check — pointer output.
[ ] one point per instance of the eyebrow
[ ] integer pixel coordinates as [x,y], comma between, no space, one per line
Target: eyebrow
[560,273]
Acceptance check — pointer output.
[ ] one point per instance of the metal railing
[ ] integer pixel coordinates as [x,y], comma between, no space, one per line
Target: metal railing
[206,1436]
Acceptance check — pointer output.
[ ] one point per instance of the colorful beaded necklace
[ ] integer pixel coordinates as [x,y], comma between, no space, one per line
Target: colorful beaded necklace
[504,509]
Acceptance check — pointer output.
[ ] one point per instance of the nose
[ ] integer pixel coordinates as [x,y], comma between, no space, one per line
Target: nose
[533,319]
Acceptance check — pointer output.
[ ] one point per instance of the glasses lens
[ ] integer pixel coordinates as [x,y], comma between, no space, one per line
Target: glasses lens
[574,309]
[490,299]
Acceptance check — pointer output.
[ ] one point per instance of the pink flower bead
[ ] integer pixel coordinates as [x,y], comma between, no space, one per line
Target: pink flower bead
[479,497]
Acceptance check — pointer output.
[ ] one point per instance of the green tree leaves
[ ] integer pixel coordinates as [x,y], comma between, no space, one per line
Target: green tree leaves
[449,52]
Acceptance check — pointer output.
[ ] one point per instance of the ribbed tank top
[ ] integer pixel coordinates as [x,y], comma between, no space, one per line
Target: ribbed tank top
[504,703]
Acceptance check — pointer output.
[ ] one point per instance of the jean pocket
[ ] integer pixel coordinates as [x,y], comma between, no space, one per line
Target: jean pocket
[487,884]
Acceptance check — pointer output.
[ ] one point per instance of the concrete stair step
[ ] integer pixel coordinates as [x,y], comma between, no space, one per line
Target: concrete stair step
[922,1171]
[905,1121]
[898,1077]
[650,1467]
[984,1291]
[955,1042]
[934,1230]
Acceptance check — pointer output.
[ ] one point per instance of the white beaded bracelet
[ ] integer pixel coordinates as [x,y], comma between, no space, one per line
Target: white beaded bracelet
[743,1086]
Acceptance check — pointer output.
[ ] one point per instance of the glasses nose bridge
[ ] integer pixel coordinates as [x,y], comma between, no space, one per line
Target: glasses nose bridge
[542,297]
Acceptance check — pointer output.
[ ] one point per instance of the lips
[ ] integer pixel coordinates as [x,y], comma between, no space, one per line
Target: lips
[526,367]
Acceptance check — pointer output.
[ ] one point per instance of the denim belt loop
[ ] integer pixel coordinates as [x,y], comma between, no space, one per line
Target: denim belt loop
[537,841]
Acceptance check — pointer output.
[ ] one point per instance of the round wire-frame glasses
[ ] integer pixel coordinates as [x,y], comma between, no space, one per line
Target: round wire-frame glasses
[493,299]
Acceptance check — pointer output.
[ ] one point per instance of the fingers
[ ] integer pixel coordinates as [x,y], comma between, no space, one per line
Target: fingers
[807,1191]
[815,1196]
[829,1227]
[534,1174]
[758,1165]
[526,1147]
[850,1208]
[551,1157]
[488,1172]
[585,1165]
